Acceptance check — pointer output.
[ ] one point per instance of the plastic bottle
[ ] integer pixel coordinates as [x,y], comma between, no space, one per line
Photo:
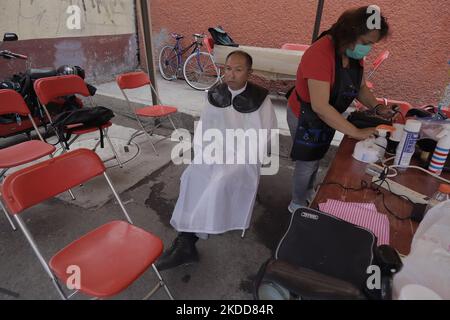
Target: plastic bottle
[407,145]
[441,195]
[444,104]
[441,151]
[381,142]
[394,138]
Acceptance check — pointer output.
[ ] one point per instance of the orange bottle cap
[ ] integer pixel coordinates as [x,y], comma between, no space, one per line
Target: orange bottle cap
[444,188]
[386,127]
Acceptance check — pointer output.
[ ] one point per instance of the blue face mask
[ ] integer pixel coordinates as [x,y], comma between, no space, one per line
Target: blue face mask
[360,51]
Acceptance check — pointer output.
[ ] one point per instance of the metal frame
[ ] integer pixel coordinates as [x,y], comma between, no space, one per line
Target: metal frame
[54,279]
[144,130]
[148,43]
[7,216]
[105,134]
[320,5]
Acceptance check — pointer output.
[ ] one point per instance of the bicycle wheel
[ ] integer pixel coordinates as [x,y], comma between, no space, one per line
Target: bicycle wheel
[200,72]
[168,63]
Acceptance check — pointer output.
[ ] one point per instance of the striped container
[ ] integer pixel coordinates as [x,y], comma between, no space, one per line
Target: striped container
[441,152]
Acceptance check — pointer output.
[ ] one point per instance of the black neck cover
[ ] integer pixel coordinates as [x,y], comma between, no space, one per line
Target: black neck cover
[248,101]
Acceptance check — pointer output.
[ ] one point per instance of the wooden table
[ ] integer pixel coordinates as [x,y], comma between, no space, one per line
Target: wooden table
[350,172]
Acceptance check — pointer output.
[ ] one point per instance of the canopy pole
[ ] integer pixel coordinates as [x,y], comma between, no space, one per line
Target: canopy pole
[147,30]
[318,20]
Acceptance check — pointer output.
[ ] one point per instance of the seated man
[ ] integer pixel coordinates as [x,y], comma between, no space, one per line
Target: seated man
[219,197]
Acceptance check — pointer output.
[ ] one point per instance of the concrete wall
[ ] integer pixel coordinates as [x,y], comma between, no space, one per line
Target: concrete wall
[105,44]
[419,45]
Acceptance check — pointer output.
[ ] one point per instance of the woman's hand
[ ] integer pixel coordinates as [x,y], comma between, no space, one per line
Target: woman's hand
[362,134]
[384,111]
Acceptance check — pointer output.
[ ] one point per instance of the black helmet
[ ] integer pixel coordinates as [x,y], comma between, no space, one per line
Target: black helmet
[76,70]
[8,84]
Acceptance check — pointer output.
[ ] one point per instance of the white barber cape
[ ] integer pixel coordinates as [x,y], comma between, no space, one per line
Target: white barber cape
[215,198]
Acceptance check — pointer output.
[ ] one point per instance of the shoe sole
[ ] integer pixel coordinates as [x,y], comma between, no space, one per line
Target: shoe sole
[180,265]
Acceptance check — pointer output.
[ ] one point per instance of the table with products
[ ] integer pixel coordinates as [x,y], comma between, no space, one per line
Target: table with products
[346,175]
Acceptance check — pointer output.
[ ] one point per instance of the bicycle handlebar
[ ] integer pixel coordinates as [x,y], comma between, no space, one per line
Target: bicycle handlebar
[195,35]
[9,55]
[176,35]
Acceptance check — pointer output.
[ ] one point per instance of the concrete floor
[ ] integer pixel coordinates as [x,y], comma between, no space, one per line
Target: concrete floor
[228,263]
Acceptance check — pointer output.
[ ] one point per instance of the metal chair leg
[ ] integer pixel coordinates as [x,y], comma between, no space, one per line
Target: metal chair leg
[96,146]
[148,135]
[8,217]
[163,283]
[171,122]
[112,148]
[243,233]
[72,195]
[153,146]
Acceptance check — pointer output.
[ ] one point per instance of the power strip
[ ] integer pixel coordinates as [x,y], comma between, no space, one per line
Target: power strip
[401,190]
[374,169]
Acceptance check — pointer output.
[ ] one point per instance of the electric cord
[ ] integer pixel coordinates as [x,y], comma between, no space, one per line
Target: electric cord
[392,167]
[424,170]
[363,186]
[375,188]
[383,176]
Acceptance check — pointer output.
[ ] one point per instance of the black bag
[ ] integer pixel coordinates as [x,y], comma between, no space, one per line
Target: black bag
[362,119]
[87,117]
[323,257]
[220,37]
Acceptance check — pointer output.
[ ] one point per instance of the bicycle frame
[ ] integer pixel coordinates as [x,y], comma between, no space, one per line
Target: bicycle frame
[180,51]
[196,49]
[198,61]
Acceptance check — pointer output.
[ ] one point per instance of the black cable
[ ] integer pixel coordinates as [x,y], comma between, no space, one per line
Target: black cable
[364,185]
[378,191]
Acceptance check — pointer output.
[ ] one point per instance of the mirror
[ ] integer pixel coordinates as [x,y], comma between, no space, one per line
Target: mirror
[10,37]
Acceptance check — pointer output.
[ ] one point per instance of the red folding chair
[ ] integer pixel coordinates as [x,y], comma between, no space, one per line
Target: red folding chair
[157,112]
[109,258]
[48,89]
[12,102]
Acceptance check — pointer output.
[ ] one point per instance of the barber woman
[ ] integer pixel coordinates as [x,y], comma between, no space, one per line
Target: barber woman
[330,76]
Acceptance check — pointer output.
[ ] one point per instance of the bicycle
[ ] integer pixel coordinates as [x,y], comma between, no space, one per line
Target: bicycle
[199,70]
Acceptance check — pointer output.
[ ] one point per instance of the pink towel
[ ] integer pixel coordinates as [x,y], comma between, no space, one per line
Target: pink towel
[361,214]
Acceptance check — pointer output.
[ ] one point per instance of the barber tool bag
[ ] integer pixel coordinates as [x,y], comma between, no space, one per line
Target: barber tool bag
[220,37]
[319,257]
[83,118]
[362,119]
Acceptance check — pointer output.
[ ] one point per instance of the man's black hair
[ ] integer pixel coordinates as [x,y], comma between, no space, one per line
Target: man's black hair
[244,54]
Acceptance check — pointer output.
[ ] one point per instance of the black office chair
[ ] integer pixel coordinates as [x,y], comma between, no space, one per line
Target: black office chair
[323,257]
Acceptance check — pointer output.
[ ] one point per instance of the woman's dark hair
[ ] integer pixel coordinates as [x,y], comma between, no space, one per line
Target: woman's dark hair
[352,24]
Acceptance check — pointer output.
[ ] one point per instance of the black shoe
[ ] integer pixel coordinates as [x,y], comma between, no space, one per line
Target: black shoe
[182,252]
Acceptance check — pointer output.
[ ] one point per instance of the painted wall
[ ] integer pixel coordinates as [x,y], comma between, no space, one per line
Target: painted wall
[416,71]
[105,45]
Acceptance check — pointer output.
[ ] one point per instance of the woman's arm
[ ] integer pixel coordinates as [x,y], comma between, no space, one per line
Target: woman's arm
[366,97]
[319,92]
